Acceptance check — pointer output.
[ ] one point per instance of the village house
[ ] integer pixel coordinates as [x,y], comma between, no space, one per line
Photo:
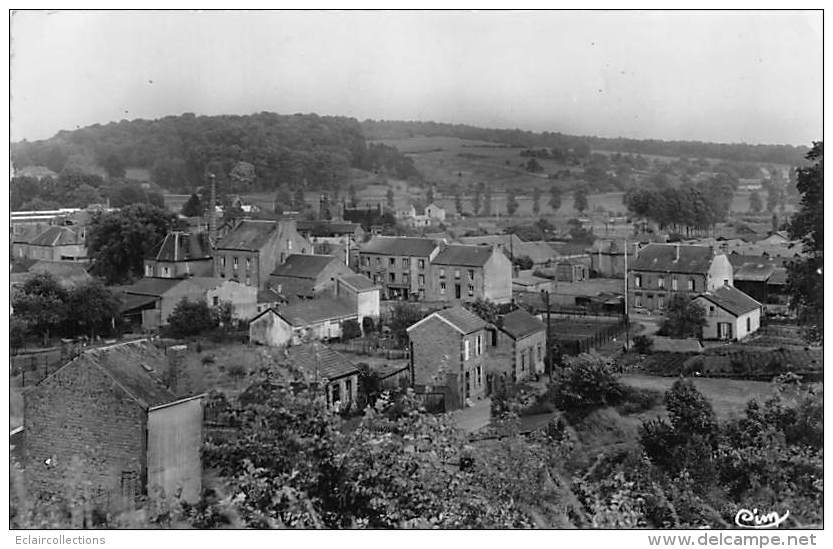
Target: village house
[319,319]
[607,257]
[517,348]
[105,417]
[268,298]
[180,254]
[660,270]
[56,243]
[320,364]
[462,273]
[435,213]
[448,356]
[66,273]
[337,238]
[306,276]
[523,281]
[254,247]
[730,313]
[217,291]
[360,293]
[150,301]
[511,244]
[400,265]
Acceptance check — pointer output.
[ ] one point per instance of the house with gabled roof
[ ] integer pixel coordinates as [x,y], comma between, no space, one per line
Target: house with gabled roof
[321,364]
[360,293]
[251,250]
[730,313]
[180,254]
[306,276]
[311,320]
[106,417]
[150,301]
[58,243]
[448,356]
[463,273]
[661,270]
[399,264]
[518,346]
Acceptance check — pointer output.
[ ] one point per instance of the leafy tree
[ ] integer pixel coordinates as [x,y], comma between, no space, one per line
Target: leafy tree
[585,383]
[683,317]
[755,205]
[536,200]
[350,329]
[487,200]
[532,165]
[555,197]
[353,197]
[805,282]
[523,262]
[477,198]
[118,241]
[93,307]
[458,201]
[511,203]
[114,166]
[429,196]
[400,317]
[389,197]
[190,318]
[580,200]
[41,303]
[192,207]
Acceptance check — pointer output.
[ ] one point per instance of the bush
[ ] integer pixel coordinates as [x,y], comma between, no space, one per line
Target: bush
[368,326]
[237,371]
[190,318]
[635,400]
[585,384]
[350,330]
[642,344]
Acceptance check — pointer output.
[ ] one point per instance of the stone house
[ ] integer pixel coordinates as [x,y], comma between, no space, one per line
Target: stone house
[448,356]
[400,265]
[463,273]
[254,247]
[435,213]
[338,238]
[313,320]
[105,417]
[180,254]
[57,243]
[243,299]
[320,364]
[150,301]
[518,346]
[730,313]
[660,270]
[361,294]
[306,276]
[607,257]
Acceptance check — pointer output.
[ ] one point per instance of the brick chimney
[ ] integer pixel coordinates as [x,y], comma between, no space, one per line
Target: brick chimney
[176,359]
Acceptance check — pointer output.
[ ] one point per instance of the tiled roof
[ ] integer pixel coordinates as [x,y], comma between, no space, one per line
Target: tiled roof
[520,323]
[539,252]
[304,266]
[754,272]
[292,288]
[181,246]
[732,300]
[57,236]
[152,286]
[737,259]
[358,282]
[315,310]
[131,302]
[66,272]
[268,296]
[312,357]
[324,228]
[249,234]
[464,255]
[209,282]
[509,242]
[462,319]
[399,245]
[126,364]
[663,258]
[779,277]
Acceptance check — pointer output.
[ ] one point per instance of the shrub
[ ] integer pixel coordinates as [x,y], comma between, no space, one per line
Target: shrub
[586,383]
[642,344]
[635,400]
[368,326]
[350,330]
[236,370]
[190,318]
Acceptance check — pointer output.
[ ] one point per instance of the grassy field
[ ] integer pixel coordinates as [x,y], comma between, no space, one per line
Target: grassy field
[727,396]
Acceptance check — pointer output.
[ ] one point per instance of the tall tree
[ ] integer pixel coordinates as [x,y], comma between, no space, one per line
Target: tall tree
[806,281]
[389,197]
[477,198]
[118,241]
[192,207]
[352,196]
[555,197]
[41,303]
[580,200]
[755,205]
[487,200]
[536,200]
[683,317]
[511,203]
[458,201]
[93,306]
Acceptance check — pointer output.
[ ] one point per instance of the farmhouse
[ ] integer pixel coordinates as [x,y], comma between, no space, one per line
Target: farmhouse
[242,298]
[306,276]
[254,247]
[730,313]
[180,254]
[399,264]
[316,319]
[662,269]
[150,301]
[106,417]
[461,273]
[520,346]
[57,243]
[448,356]
[67,273]
[318,363]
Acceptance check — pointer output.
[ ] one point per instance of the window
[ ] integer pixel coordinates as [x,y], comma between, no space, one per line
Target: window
[637,301]
[421,280]
[392,262]
[234,262]
[471,274]
[392,277]
[456,273]
[248,263]
[471,290]
[348,390]
[421,264]
[674,284]
[378,261]
[661,282]
[442,273]
[725,281]
[523,362]
[748,324]
[465,349]
[223,261]
[660,302]
[288,244]
[248,281]
[148,270]
[690,284]
[478,347]
[166,271]
[129,484]
[406,278]
[637,281]
[479,375]
[539,353]
[215,300]
[711,310]
[365,261]
[335,393]
[406,263]
[442,287]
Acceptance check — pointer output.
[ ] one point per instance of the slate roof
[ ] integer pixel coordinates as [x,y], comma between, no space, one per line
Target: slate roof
[519,324]
[324,228]
[738,260]
[662,258]
[461,318]
[330,364]
[358,282]
[249,234]
[754,272]
[181,246]
[123,363]
[303,266]
[779,277]
[463,255]
[268,296]
[57,236]
[315,310]
[131,302]
[399,245]
[732,300]
[209,282]
[151,286]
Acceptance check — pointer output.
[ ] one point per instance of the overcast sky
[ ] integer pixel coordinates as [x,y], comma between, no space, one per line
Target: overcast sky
[754,77]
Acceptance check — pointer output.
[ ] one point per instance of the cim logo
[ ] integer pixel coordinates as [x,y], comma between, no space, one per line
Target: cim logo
[752,519]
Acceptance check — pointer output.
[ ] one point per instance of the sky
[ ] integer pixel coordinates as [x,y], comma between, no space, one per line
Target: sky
[753,77]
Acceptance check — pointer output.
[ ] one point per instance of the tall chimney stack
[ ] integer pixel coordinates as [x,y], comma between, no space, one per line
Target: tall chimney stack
[212,211]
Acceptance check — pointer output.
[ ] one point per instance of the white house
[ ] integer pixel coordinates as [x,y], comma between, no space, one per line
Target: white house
[730,313]
[316,319]
[434,212]
[361,293]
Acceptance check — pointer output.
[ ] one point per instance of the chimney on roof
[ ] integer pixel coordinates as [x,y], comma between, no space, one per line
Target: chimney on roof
[173,376]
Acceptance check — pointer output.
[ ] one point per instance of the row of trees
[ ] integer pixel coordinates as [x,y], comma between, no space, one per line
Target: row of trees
[77,190]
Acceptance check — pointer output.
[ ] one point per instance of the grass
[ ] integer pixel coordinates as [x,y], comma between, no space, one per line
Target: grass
[728,397]
[230,368]
[15,403]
